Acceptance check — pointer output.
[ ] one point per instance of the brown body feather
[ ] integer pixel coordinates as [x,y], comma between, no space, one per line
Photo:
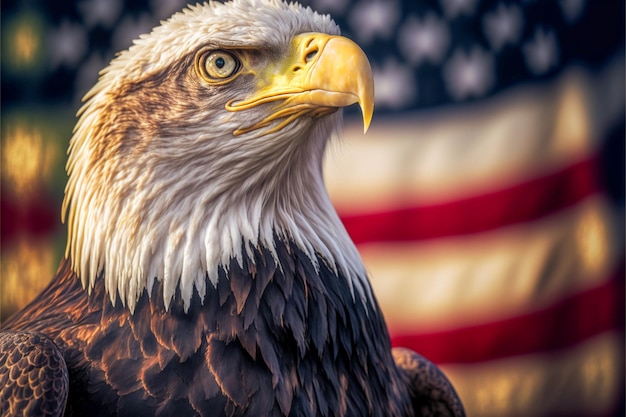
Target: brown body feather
[35,380]
[266,341]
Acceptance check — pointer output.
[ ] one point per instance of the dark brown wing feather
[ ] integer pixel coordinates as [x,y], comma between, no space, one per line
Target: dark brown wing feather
[33,376]
[266,340]
[431,392]
[68,316]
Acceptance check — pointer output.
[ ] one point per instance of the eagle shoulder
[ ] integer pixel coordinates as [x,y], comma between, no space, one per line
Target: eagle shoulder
[33,375]
[431,392]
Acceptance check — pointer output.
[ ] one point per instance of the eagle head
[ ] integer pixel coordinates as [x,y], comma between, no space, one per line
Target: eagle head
[205,140]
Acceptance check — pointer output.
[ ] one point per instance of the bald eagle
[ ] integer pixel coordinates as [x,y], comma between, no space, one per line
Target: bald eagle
[206,271]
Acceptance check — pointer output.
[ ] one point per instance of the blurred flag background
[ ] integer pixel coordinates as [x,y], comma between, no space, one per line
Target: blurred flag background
[487,199]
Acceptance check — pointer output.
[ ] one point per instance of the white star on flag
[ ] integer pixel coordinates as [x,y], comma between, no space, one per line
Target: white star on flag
[374,19]
[503,26]
[456,8]
[103,12]
[541,52]
[334,7]
[572,9]
[67,45]
[395,85]
[469,74]
[424,39]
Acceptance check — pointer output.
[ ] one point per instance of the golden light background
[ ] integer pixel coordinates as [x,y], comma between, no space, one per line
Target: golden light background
[33,146]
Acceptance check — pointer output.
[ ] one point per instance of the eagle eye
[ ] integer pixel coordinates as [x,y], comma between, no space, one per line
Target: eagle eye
[216,65]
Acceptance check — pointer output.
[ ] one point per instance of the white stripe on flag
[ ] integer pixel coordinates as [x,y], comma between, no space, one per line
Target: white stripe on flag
[581,381]
[457,281]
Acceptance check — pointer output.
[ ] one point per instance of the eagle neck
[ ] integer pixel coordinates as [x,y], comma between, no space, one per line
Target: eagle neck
[179,216]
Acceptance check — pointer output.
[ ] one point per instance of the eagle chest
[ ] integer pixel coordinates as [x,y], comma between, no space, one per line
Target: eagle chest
[274,338]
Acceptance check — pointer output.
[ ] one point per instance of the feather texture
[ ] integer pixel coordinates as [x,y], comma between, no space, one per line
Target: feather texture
[280,357]
[34,379]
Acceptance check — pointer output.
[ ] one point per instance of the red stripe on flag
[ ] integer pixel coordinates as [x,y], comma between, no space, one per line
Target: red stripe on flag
[37,216]
[520,203]
[566,323]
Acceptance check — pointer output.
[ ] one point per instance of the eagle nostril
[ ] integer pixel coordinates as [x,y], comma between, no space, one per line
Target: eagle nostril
[310,55]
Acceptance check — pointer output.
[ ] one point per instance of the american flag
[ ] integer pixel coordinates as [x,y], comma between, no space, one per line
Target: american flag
[487,199]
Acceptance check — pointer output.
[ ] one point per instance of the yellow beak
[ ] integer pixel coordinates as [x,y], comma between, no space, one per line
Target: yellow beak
[320,74]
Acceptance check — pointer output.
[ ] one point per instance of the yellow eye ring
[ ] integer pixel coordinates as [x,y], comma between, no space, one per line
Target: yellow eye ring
[216,65]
